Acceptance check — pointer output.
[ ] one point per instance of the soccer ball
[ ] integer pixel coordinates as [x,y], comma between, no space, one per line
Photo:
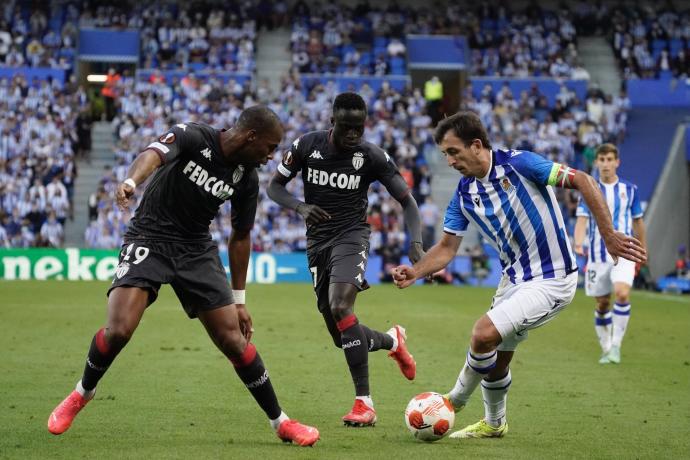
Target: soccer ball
[429,416]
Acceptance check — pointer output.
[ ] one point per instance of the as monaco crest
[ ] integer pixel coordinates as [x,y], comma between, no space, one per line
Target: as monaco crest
[237,174]
[357,160]
[122,270]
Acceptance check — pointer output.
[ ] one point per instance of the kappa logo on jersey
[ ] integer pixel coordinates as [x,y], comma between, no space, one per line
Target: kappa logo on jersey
[287,161]
[237,174]
[316,155]
[388,157]
[296,143]
[211,184]
[357,160]
[206,153]
[507,186]
[167,138]
[335,180]
[514,153]
[182,126]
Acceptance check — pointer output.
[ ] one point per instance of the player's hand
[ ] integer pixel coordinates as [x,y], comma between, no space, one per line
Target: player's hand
[312,214]
[579,250]
[416,252]
[404,276]
[122,195]
[620,245]
[245,321]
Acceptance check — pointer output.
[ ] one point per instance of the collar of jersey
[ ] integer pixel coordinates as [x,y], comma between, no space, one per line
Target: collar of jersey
[491,166]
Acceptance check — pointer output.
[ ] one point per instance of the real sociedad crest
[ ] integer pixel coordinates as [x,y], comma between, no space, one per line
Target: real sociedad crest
[358,160]
[237,174]
[122,270]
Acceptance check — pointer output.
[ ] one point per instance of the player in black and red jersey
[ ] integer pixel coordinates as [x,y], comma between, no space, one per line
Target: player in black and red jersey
[337,168]
[196,169]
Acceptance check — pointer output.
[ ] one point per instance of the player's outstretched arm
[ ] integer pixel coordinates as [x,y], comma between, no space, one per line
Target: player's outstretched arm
[617,243]
[239,250]
[579,234]
[143,166]
[438,257]
[413,221]
[277,192]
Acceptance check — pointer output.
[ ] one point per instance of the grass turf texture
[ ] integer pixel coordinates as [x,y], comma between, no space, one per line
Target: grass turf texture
[171,394]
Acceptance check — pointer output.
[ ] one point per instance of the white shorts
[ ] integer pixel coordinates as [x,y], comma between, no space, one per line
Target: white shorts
[600,276]
[517,308]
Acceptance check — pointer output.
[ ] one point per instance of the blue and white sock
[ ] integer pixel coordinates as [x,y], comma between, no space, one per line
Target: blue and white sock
[602,325]
[477,366]
[621,316]
[495,398]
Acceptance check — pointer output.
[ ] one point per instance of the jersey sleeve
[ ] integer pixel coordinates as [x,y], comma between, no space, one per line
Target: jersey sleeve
[243,209]
[455,222]
[534,167]
[582,209]
[636,208]
[292,159]
[385,171]
[173,143]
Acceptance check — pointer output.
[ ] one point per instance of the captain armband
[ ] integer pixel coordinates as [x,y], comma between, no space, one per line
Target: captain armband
[562,176]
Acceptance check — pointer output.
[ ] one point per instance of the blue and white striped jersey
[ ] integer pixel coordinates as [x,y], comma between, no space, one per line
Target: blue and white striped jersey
[516,210]
[624,205]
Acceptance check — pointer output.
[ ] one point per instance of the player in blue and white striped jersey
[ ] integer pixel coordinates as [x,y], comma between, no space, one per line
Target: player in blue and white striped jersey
[509,196]
[602,274]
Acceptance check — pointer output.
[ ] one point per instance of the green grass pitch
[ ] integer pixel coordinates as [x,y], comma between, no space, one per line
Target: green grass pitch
[171,394]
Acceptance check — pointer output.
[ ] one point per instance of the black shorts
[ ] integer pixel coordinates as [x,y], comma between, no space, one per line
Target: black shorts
[339,263]
[194,271]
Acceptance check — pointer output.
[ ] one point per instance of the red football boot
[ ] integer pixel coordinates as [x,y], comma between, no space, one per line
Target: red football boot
[294,431]
[360,415]
[63,415]
[407,364]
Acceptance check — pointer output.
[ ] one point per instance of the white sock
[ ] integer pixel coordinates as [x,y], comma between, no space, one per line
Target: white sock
[495,398]
[602,325]
[275,423]
[366,400]
[621,315]
[394,334]
[477,366]
[85,393]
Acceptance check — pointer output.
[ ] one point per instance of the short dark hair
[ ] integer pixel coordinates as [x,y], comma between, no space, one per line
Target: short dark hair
[258,117]
[603,149]
[466,125]
[349,101]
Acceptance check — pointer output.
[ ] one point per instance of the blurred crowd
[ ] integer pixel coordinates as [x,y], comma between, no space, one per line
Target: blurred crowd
[38,141]
[651,40]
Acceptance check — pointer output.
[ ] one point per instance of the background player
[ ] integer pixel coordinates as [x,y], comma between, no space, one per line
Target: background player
[601,274]
[508,195]
[168,242]
[337,168]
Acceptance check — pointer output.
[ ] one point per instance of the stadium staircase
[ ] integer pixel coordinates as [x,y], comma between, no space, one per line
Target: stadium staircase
[598,58]
[650,132]
[90,173]
[273,57]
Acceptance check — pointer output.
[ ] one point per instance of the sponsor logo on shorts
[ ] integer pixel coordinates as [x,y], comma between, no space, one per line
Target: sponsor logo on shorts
[352,343]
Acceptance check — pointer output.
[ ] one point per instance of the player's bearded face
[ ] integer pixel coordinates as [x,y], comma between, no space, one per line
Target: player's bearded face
[348,128]
[461,157]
